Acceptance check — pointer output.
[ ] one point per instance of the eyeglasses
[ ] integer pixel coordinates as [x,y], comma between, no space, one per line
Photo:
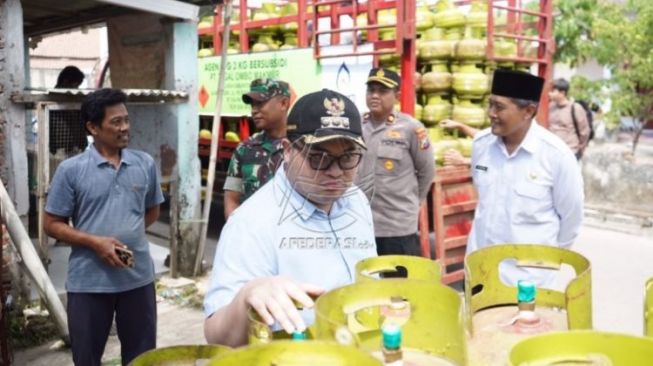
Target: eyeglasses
[323,161]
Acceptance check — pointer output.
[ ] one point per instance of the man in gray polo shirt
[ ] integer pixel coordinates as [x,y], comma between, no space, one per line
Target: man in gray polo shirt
[112,194]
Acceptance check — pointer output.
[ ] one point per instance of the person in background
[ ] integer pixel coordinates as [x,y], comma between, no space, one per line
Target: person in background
[69,78]
[256,159]
[299,235]
[567,119]
[111,194]
[398,163]
[600,130]
[529,185]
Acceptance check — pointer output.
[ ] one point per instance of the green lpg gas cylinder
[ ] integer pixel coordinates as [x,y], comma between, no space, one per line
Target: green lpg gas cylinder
[470,82]
[430,316]
[435,110]
[448,15]
[433,46]
[289,353]
[407,266]
[179,355]
[261,333]
[498,315]
[477,15]
[437,80]
[582,347]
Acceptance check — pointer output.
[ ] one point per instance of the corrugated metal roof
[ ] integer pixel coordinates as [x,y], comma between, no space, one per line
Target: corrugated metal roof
[75,95]
[129,92]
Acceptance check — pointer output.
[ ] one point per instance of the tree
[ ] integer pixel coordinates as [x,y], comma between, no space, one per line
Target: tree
[619,36]
[572,29]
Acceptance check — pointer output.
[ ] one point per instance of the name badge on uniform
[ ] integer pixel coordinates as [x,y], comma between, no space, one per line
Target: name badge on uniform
[481,167]
[393,134]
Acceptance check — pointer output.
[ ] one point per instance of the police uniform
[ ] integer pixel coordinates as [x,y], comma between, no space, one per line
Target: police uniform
[533,195]
[256,159]
[253,164]
[398,170]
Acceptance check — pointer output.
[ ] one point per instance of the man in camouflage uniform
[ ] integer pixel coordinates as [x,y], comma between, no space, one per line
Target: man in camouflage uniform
[256,159]
[398,166]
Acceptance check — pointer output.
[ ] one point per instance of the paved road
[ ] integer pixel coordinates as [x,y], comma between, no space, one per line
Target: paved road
[621,264]
[176,325]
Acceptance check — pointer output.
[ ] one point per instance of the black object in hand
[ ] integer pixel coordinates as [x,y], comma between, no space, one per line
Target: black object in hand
[126,256]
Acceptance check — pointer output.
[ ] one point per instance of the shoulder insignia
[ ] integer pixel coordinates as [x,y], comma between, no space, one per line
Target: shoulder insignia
[422,138]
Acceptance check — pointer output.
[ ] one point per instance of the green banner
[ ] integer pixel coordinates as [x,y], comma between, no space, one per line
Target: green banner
[297,67]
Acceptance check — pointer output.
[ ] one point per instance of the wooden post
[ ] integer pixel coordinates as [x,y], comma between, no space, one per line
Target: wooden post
[214,140]
[43,179]
[174,228]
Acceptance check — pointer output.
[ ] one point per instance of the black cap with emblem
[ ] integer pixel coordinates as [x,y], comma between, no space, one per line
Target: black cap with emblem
[385,77]
[322,116]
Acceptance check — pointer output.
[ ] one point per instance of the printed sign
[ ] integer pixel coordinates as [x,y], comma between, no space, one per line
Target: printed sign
[297,67]
[347,75]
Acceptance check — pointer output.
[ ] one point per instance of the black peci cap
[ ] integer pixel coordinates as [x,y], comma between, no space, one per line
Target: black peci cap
[325,115]
[517,84]
[385,77]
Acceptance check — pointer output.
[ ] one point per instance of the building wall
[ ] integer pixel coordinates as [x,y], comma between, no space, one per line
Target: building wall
[137,44]
[13,162]
[155,54]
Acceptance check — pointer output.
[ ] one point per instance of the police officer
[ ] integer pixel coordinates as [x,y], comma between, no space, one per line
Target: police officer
[299,235]
[255,160]
[529,185]
[398,166]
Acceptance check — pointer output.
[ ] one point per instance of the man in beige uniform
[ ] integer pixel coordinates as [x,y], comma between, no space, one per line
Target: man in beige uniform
[398,165]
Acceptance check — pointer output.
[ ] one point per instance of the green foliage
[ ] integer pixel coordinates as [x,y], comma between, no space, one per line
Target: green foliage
[619,36]
[572,29]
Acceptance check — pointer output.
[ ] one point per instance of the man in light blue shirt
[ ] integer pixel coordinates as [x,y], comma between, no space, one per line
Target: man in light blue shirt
[530,189]
[111,194]
[302,233]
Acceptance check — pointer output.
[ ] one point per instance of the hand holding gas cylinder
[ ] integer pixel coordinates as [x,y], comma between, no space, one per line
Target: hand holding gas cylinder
[275,298]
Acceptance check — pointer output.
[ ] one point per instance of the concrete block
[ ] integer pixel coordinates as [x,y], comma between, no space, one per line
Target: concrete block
[614,181]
